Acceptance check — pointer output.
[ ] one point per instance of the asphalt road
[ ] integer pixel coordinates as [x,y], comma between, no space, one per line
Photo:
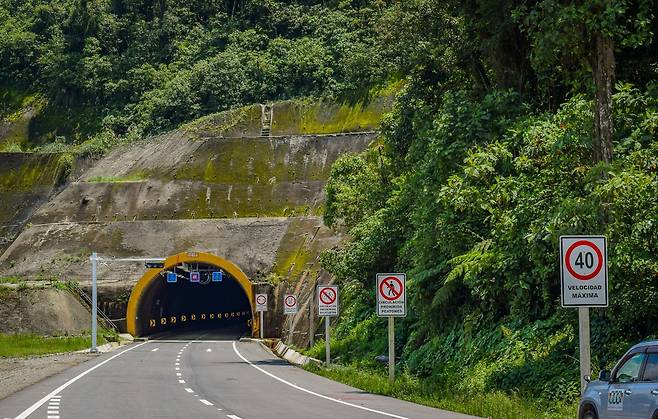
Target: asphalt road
[192,378]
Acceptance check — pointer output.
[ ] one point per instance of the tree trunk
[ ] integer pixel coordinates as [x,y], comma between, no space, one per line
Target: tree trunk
[603,69]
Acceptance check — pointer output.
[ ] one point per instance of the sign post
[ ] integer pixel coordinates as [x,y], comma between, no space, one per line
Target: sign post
[261,307]
[584,279]
[391,302]
[327,307]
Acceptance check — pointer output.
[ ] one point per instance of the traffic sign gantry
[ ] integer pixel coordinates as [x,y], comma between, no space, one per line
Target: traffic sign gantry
[391,295]
[584,271]
[289,304]
[328,301]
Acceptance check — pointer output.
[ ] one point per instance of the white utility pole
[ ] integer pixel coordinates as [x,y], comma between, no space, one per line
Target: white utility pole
[94,303]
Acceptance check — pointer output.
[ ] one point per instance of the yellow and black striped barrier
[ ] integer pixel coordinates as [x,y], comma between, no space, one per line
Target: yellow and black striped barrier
[183,318]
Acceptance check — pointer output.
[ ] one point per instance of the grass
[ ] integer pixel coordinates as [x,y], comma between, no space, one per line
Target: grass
[493,404]
[137,177]
[24,345]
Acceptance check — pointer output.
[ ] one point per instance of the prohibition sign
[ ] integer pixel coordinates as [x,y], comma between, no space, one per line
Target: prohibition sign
[291,301]
[327,296]
[260,300]
[572,271]
[388,290]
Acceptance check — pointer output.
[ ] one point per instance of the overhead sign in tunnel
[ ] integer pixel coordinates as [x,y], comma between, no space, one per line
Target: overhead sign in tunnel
[192,289]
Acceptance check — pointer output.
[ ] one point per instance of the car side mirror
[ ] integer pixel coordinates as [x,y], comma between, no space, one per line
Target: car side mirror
[604,375]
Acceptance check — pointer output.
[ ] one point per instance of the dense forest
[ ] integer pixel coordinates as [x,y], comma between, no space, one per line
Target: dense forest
[519,121]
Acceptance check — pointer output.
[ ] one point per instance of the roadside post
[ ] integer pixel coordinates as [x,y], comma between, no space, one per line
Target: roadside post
[584,280]
[94,303]
[327,307]
[391,293]
[261,307]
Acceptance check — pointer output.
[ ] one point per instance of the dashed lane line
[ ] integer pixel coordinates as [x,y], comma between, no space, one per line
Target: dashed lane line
[189,390]
[313,393]
[154,349]
[206,402]
[27,412]
[234,417]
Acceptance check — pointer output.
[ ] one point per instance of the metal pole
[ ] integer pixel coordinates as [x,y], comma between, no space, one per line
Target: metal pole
[311,323]
[262,335]
[583,335]
[391,350]
[327,347]
[94,303]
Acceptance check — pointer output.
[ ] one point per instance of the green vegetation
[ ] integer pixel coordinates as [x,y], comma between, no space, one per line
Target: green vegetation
[492,153]
[137,177]
[111,71]
[407,387]
[22,345]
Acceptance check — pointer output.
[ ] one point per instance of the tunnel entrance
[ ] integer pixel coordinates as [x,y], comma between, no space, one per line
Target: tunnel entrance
[195,295]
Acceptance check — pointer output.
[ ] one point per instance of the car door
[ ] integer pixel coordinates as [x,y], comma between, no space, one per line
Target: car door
[621,393]
[645,391]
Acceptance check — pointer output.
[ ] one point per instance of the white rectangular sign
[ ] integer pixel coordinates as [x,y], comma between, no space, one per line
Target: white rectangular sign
[327,300]
[584,271]
[289,304]
[261,302]
[391,295]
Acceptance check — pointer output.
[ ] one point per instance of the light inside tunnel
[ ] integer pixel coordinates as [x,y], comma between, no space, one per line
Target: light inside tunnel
[203,297]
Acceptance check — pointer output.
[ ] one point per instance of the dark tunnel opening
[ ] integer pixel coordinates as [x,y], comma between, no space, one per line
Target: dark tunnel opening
[194,300]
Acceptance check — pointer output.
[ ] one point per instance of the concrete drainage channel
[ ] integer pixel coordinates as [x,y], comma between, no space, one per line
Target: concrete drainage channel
[283,351]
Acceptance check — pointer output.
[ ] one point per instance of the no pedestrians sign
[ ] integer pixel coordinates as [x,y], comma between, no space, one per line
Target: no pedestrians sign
[328,300]
[391,295]
[289,304]
[584,271]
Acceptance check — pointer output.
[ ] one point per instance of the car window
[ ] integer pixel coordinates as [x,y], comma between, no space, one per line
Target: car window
[651,370]
[630,370]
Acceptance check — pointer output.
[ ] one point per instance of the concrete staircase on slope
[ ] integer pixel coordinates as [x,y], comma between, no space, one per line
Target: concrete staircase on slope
[266,120]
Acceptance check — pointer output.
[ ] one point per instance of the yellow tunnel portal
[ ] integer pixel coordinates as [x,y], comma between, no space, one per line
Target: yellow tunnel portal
[194,300]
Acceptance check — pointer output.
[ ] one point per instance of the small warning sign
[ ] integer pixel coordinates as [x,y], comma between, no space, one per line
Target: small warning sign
[391,295]
[290,304]
[327,301]
[261,302]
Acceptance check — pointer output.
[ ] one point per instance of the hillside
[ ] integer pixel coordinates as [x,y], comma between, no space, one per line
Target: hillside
[330,140]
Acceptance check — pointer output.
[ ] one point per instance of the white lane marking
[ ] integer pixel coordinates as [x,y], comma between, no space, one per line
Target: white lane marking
[234,417]
[52,417]
[27,412]
[208,350]
[235,349]
[206,402]
[154,349]
[189,390]
[177,363]
[181,381]
[56,397]
[178,374]
[177,368]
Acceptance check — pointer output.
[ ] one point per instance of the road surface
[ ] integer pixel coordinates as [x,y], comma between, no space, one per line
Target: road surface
[191,378]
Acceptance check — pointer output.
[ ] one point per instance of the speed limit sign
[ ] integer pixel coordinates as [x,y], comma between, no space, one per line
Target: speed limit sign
[584,271]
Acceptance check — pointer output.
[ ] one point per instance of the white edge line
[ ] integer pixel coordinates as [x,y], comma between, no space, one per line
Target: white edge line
[235,349]
[27,412]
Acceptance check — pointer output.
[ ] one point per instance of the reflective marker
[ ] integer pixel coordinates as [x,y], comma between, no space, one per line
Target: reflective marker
[217,276]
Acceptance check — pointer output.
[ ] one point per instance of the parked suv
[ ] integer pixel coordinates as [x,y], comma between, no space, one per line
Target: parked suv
[630,391]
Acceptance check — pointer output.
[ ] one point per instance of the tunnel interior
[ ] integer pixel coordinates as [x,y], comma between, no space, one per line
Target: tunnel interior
[194,298]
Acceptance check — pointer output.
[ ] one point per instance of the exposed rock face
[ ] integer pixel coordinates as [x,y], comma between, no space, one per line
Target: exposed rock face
[211,186]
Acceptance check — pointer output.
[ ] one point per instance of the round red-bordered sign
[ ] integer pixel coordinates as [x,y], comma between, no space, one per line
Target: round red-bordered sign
[261,299]
[290,301]
[384,287]
[327,296]
[570,268]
